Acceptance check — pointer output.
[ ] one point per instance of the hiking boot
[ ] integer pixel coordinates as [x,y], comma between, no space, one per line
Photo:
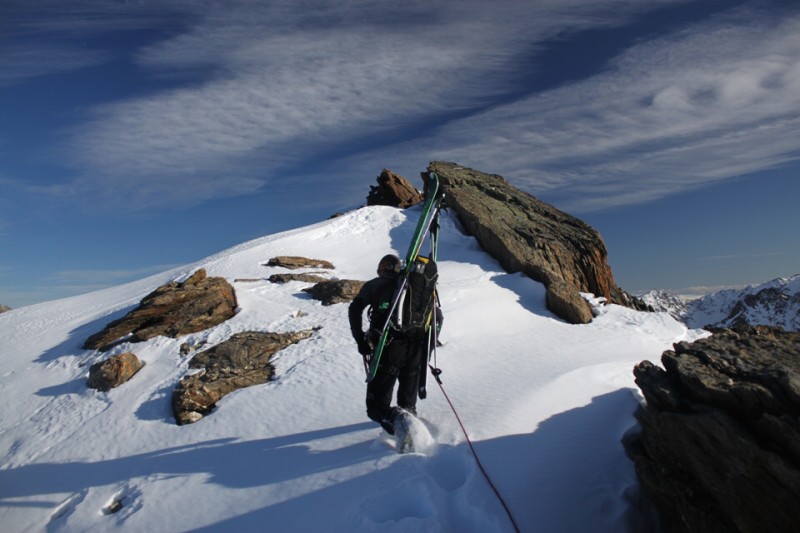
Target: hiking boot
[388,425]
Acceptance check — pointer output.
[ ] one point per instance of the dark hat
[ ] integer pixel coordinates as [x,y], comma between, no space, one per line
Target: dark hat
[389,266]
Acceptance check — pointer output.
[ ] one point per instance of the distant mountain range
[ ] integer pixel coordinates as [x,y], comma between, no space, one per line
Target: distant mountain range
[774,303]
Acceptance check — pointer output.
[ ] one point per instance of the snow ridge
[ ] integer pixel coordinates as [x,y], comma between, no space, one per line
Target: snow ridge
[546,404]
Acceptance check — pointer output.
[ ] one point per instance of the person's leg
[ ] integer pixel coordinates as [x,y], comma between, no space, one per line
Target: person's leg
[380,389]
[408,377]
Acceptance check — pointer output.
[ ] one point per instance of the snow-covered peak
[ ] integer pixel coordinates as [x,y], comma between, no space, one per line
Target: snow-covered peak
[544,402]
[775,303]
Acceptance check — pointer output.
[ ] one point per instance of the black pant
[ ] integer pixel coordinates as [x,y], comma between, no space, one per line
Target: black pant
[400,361]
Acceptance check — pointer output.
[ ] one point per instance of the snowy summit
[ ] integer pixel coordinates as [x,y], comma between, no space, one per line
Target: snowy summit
[544,403]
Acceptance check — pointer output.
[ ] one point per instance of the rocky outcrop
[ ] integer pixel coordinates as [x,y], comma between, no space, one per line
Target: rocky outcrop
[306,278]
[719,448]
[241,361]
[294,262]
[527,235]
[393,190]
[172,310]
[336,291]
[4,308]
[114,371]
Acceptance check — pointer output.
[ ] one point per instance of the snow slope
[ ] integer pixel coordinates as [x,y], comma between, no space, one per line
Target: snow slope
[546,404]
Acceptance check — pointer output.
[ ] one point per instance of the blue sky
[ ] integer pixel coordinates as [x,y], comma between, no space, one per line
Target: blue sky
[140,135]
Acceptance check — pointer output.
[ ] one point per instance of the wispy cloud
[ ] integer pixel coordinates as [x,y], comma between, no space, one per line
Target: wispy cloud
[18,63]
[708,103]
[267,87]
[285,82]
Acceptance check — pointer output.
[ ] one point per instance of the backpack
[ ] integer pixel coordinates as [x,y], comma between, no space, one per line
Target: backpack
[416,304]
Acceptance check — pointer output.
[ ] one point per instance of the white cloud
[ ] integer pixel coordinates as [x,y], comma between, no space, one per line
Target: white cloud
[711,102]
[268,86]
[282,83]
[18,63]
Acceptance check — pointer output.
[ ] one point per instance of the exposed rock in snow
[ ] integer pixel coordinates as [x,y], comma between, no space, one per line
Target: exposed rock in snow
[393,190]
[720,442]
[114,371]
[172,310]
[241,361]
[294,262]
[527,235]
[335,291]
[285,278]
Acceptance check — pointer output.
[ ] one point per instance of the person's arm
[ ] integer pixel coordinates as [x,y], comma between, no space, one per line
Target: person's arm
[355,313]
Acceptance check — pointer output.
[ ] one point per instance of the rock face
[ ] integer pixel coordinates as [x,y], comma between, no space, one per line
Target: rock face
[336,291]
[285,278]
[294,262]
[172,310]
[393,190]
[241,361]
[114,371]
[719,448]
[527,235]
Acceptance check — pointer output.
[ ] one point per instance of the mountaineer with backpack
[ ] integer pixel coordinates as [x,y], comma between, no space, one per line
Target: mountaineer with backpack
[405,352]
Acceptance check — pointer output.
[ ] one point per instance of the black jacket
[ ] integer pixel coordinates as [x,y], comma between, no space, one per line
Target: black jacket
[371,294]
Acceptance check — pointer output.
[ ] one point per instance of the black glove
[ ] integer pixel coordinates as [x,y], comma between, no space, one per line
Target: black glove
[364,347]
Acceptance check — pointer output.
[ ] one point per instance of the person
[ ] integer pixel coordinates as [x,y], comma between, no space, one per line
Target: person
[401,358]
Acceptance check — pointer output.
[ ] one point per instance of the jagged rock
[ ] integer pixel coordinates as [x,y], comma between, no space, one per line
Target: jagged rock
[335,291]
[565,302]
[172,310]
[241,361]
[4,308]
[307,278]
[114,371]
[719,448]
[294,262]
[393,190]
[527,235]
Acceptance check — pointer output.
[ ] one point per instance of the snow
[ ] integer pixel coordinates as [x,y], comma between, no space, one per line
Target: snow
[544,402]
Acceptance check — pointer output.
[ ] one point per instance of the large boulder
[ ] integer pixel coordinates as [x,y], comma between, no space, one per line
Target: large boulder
[293,262]
[719,448]
[335,291]
[393,190]
[241,361]
[114,371]
[527,235]
[305,278]
[172,310]
[4,308]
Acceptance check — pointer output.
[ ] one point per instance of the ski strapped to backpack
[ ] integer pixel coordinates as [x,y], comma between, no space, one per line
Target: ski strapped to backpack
[411,311]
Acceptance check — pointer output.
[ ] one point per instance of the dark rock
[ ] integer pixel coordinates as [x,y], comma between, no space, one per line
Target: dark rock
[241,361]
[335,291]
[306,278]
[114,371]
[393,190]
[527,235]
[719,448]
[565,302]
[172,310]
[294,262]
[4,308]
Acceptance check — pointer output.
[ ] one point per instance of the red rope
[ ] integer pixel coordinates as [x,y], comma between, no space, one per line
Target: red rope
[475,454]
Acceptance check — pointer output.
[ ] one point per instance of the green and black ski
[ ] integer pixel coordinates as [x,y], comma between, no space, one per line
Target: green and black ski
[428,222]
